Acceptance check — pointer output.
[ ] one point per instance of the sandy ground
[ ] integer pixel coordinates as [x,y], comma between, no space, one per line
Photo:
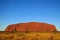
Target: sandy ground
[29,35]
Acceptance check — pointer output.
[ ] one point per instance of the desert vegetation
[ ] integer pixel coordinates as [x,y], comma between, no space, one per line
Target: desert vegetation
[29,35]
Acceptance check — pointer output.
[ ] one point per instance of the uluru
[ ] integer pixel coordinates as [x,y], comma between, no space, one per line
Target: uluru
[32,26]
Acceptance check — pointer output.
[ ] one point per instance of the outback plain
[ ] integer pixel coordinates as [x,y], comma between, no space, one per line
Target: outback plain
[4,35]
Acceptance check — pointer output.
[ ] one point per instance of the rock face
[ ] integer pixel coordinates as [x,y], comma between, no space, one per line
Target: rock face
[31,26]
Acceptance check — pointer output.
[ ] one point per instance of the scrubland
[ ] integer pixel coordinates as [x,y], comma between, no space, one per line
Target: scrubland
[29,35]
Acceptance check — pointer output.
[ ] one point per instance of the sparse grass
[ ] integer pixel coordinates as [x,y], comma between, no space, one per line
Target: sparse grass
[29,36]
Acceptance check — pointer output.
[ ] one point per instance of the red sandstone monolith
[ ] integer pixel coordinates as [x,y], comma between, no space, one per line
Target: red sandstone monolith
[31,26]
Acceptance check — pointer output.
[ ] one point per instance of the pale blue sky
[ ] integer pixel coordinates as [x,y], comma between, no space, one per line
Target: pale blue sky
[17,11]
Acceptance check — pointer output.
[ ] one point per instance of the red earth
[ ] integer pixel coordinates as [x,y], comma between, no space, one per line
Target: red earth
[32,26]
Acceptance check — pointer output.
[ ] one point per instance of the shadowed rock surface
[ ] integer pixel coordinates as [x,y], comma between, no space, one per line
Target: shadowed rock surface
[32,26]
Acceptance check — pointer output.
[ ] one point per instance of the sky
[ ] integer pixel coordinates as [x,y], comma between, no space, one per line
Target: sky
[18,11]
